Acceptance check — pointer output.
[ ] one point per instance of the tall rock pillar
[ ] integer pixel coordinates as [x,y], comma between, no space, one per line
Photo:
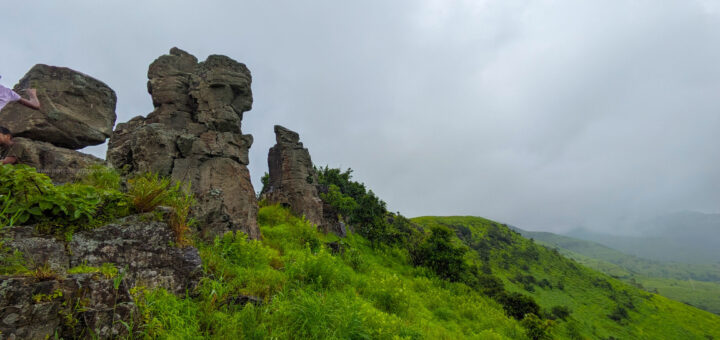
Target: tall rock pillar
[294,183]
[194,135]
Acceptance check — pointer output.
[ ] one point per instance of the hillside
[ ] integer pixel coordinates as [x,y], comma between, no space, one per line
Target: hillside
[694,284]
[594,298]
[304,290]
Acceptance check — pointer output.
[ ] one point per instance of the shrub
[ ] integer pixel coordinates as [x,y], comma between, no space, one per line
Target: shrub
[559,312]
[518,305]
[536,328]
[619,314]
[344,204]
[438,253]
[148,191]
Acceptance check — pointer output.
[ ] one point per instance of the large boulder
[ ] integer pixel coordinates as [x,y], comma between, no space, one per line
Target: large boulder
[294,183]
[60,164]
[194,135]
[76,110]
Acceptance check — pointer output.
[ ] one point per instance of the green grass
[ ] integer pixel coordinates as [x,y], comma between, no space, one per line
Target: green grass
[591,296]
[371,292]
[694,284]
[309,293]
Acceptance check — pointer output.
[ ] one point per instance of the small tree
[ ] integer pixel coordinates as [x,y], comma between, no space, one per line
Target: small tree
[438,253]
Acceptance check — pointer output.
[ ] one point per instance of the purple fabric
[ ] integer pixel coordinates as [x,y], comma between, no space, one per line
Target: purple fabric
[7,95]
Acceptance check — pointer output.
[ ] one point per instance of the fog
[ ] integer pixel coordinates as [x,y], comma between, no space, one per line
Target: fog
[548,115]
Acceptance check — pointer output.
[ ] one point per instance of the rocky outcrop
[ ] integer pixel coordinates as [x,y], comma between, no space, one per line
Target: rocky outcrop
[140,248]
[60,164]
[75,307]
[76,110]
[294,183]
[194,135]
[143,249]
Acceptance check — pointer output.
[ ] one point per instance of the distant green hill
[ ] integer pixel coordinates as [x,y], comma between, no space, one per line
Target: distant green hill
[599,303]
[694,284]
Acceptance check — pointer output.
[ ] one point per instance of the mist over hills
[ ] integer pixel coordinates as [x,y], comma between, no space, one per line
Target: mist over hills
[689,237]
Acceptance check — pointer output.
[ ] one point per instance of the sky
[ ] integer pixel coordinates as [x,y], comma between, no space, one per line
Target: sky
[545,114]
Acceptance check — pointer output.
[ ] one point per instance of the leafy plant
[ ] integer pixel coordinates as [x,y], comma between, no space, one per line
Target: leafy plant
[102,177]
[56,209]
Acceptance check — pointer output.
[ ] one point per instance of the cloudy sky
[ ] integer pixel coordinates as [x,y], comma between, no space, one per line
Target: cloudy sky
[548,115]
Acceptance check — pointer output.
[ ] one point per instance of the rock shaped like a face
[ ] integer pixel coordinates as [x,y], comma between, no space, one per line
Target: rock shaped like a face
[76,110]
[194,135]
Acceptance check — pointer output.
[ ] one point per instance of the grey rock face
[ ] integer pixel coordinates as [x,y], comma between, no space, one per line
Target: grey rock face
[38,250]
[144,249]
[194,135]
[33,309]
[294,183]
[141,249]
[76,109]
[60,164]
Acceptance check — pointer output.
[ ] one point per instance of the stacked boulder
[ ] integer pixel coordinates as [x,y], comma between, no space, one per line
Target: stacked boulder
[293,182]
[76,111]
[194,135]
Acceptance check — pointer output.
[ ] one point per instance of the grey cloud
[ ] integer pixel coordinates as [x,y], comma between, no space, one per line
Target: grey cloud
[547,115]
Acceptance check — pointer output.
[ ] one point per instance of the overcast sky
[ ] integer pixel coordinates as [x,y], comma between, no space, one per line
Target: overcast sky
[548,115]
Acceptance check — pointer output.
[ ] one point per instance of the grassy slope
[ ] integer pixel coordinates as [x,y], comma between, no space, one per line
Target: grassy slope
[591,296]
[694,284]
[310,293]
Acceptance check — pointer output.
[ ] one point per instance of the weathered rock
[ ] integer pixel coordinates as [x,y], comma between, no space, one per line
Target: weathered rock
[76,109]
[139,246]
[60,164]
[194,135]
[293,181]
[75,307]
[143,249]
[39,250]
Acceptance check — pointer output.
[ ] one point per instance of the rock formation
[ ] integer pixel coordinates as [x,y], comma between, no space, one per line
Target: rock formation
[194,135]
[142,246]
[60,164]
[76,110]
[294,183]
[35,308]
[70,308]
